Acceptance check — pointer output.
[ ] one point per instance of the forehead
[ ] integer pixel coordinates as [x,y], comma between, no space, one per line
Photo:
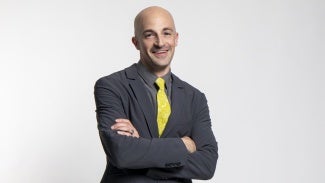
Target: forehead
[156,20]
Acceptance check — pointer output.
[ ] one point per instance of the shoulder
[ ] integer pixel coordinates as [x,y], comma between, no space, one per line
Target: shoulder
[197,100]
[185,85]
[191,93]
[119,77]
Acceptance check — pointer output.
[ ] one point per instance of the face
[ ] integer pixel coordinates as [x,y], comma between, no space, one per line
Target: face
[156,39]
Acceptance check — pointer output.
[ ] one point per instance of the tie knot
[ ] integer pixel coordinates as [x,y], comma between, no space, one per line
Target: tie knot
[161,83]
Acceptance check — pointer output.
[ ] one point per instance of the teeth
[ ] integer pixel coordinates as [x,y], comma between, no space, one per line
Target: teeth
[160,51]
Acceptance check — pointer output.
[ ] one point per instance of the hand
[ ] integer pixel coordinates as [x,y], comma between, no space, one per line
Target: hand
[125,127]
[189,143]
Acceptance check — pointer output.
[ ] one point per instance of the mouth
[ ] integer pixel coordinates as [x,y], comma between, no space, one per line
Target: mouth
[160,53]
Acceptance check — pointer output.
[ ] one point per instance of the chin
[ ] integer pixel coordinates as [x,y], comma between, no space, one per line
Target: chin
[161,61]
[162,64]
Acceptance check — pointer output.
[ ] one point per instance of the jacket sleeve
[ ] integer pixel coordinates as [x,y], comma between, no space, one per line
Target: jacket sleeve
[129,152]
[202,163]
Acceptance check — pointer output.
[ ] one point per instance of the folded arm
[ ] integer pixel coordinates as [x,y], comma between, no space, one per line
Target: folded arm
[125,151]
[125,127]
[202,163]
[164,157]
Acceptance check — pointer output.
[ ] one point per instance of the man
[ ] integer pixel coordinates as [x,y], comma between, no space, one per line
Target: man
[154,127]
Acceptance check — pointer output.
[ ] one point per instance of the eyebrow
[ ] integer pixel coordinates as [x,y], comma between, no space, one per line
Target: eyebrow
[168,28]
[164,29]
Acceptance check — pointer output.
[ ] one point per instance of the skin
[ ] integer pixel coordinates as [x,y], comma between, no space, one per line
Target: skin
[156,38]
[125,127]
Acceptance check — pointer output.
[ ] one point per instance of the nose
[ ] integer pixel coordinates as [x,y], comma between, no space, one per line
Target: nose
[160,41]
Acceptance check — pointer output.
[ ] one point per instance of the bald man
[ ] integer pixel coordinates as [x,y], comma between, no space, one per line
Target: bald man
[153,126]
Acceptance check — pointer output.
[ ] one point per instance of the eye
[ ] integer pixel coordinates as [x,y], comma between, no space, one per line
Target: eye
[167,33]
[148,35]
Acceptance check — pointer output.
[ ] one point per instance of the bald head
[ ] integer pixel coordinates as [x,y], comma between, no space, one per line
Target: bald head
[149,15]
[156,38]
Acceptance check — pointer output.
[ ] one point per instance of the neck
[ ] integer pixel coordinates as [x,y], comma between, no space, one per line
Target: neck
[159,72]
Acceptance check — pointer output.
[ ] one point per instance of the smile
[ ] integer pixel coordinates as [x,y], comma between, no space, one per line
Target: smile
[161,53]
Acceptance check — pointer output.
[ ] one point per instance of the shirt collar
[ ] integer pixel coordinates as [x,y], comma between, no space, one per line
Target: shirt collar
[149,78]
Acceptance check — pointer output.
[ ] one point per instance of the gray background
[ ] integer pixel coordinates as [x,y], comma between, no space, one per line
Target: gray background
[264,61]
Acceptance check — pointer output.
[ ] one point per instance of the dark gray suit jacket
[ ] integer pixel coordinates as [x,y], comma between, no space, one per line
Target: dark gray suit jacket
[150,158]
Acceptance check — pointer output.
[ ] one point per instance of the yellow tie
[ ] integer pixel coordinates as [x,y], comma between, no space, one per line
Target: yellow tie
[164,110]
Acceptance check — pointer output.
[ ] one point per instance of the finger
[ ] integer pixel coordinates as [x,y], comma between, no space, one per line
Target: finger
[123,128]
[121,124]
[121,120]
[124,133]
[118,125]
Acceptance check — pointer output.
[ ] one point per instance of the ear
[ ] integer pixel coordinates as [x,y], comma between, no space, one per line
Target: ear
[135,42]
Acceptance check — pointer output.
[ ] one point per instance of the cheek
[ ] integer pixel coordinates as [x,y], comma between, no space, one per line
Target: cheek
[176,41]
[147,43]
[146,47]
[143,47]
[173,42]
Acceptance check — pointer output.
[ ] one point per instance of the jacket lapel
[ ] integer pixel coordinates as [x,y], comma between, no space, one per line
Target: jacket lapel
[140,93]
